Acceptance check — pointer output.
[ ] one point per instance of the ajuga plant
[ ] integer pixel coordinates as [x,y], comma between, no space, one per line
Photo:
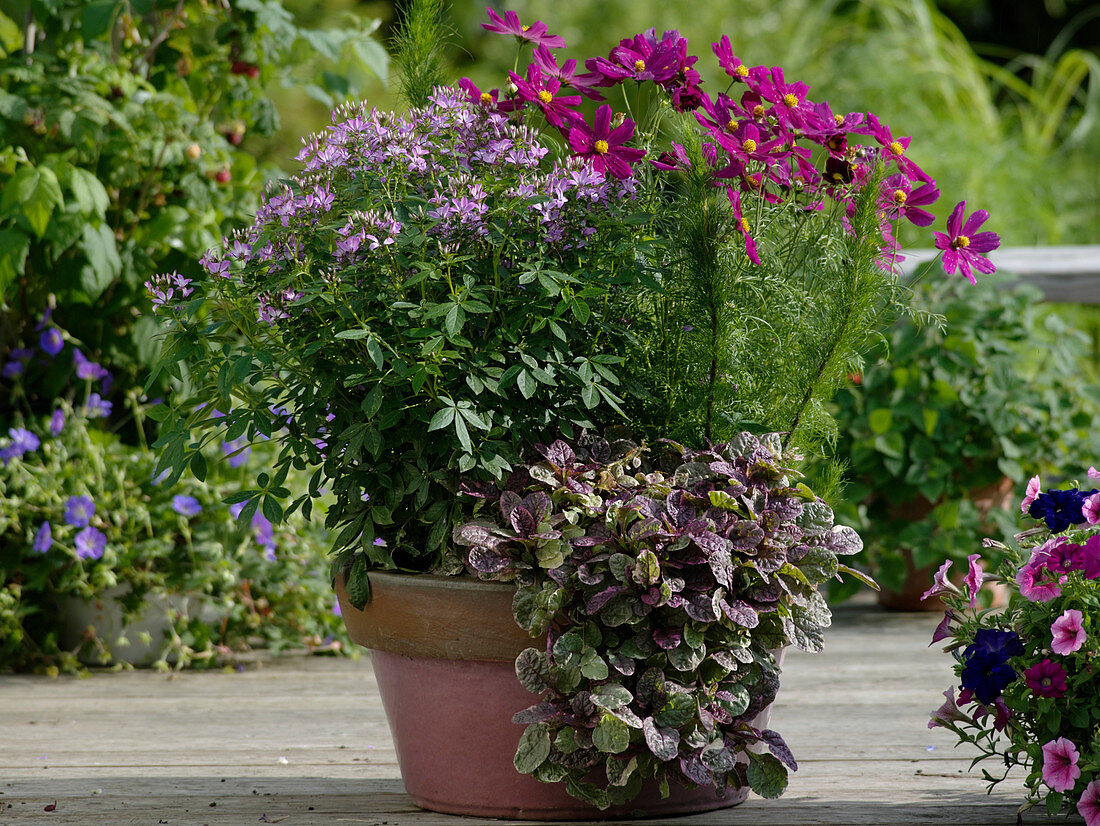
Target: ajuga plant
[665,581]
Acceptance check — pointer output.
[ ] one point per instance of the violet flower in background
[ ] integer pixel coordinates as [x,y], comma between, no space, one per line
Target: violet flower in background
[90,543]
[57,422]
[22,441]
[52,341]
[43,539]
[79,511]
[186,505]
[97,407]
[86,369]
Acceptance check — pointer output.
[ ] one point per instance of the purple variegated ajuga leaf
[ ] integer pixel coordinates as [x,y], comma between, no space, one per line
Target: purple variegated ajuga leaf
[599,600]
[589,575]
[643,529]
[723,468]
[522,521]
[786,507]
[624,665]
[662,741]
[539,505]
[744,535]
[694,770]
[700,607]
[740,612]
[480,533]
[559,453]
[487,560]
[710,542]
[667,638]
[509,500]
[538,713]
[778,747]
[721,565]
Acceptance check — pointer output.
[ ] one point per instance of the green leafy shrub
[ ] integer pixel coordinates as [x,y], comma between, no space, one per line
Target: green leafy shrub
[82,513]
[950,414]
[128,132]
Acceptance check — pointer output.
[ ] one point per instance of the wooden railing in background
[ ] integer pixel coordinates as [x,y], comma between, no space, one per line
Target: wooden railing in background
[1069,275]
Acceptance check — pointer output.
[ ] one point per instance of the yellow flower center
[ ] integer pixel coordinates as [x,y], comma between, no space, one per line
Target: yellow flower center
[525,28]
[839,119]
[758,111]
[744,224]
[545,97]
[960,243]
[754,180]
[732,125]
[900,197]
[486,98]
[639,65]
[790,100]
[749,145]
[742,70]
[600,147]
[897,148]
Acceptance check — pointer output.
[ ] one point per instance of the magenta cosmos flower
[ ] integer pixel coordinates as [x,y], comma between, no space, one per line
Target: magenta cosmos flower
[1089,804]
[603,146]
[1060,770]
[544,91]
[1067,632]
[535,33]
[1046,679]
[963,244]
[902,201]
[742,224]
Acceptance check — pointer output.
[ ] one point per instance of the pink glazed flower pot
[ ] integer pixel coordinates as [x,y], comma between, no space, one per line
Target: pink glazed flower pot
[443,650]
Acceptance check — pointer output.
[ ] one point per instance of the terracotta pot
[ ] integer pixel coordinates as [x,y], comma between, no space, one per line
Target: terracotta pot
[919,580]
[443,650]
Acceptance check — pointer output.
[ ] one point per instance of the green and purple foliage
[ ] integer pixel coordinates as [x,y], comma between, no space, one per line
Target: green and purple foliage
[1029,693]
[666,582]
[434,291]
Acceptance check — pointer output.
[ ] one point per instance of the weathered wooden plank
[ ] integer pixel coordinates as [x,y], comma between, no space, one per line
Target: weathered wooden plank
[305,739]
[1064,274]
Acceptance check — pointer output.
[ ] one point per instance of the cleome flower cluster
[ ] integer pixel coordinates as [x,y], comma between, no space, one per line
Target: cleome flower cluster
[1029,694]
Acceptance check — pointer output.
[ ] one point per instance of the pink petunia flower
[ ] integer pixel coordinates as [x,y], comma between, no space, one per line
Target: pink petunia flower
[1067,632]
[1091,509]
[1089,804]
[1094,473]
[943,630]
[941,584]
[1060,770]
[1030,494]
[1046,679]
[974,576]
[1090,557]
[963,243]
[1036,583]
[949,712]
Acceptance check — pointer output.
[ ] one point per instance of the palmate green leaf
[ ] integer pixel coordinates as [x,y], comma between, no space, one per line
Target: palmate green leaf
[33,192]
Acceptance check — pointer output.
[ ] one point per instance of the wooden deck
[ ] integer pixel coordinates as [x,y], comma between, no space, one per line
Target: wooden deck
[303,741]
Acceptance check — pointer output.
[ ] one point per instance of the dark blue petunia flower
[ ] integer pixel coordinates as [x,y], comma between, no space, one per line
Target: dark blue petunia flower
[1060,509]
[986,671]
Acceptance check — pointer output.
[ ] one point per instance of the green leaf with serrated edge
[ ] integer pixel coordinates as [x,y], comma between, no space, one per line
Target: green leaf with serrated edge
[766,775]
[358,585]
[611,736]
[533,749]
